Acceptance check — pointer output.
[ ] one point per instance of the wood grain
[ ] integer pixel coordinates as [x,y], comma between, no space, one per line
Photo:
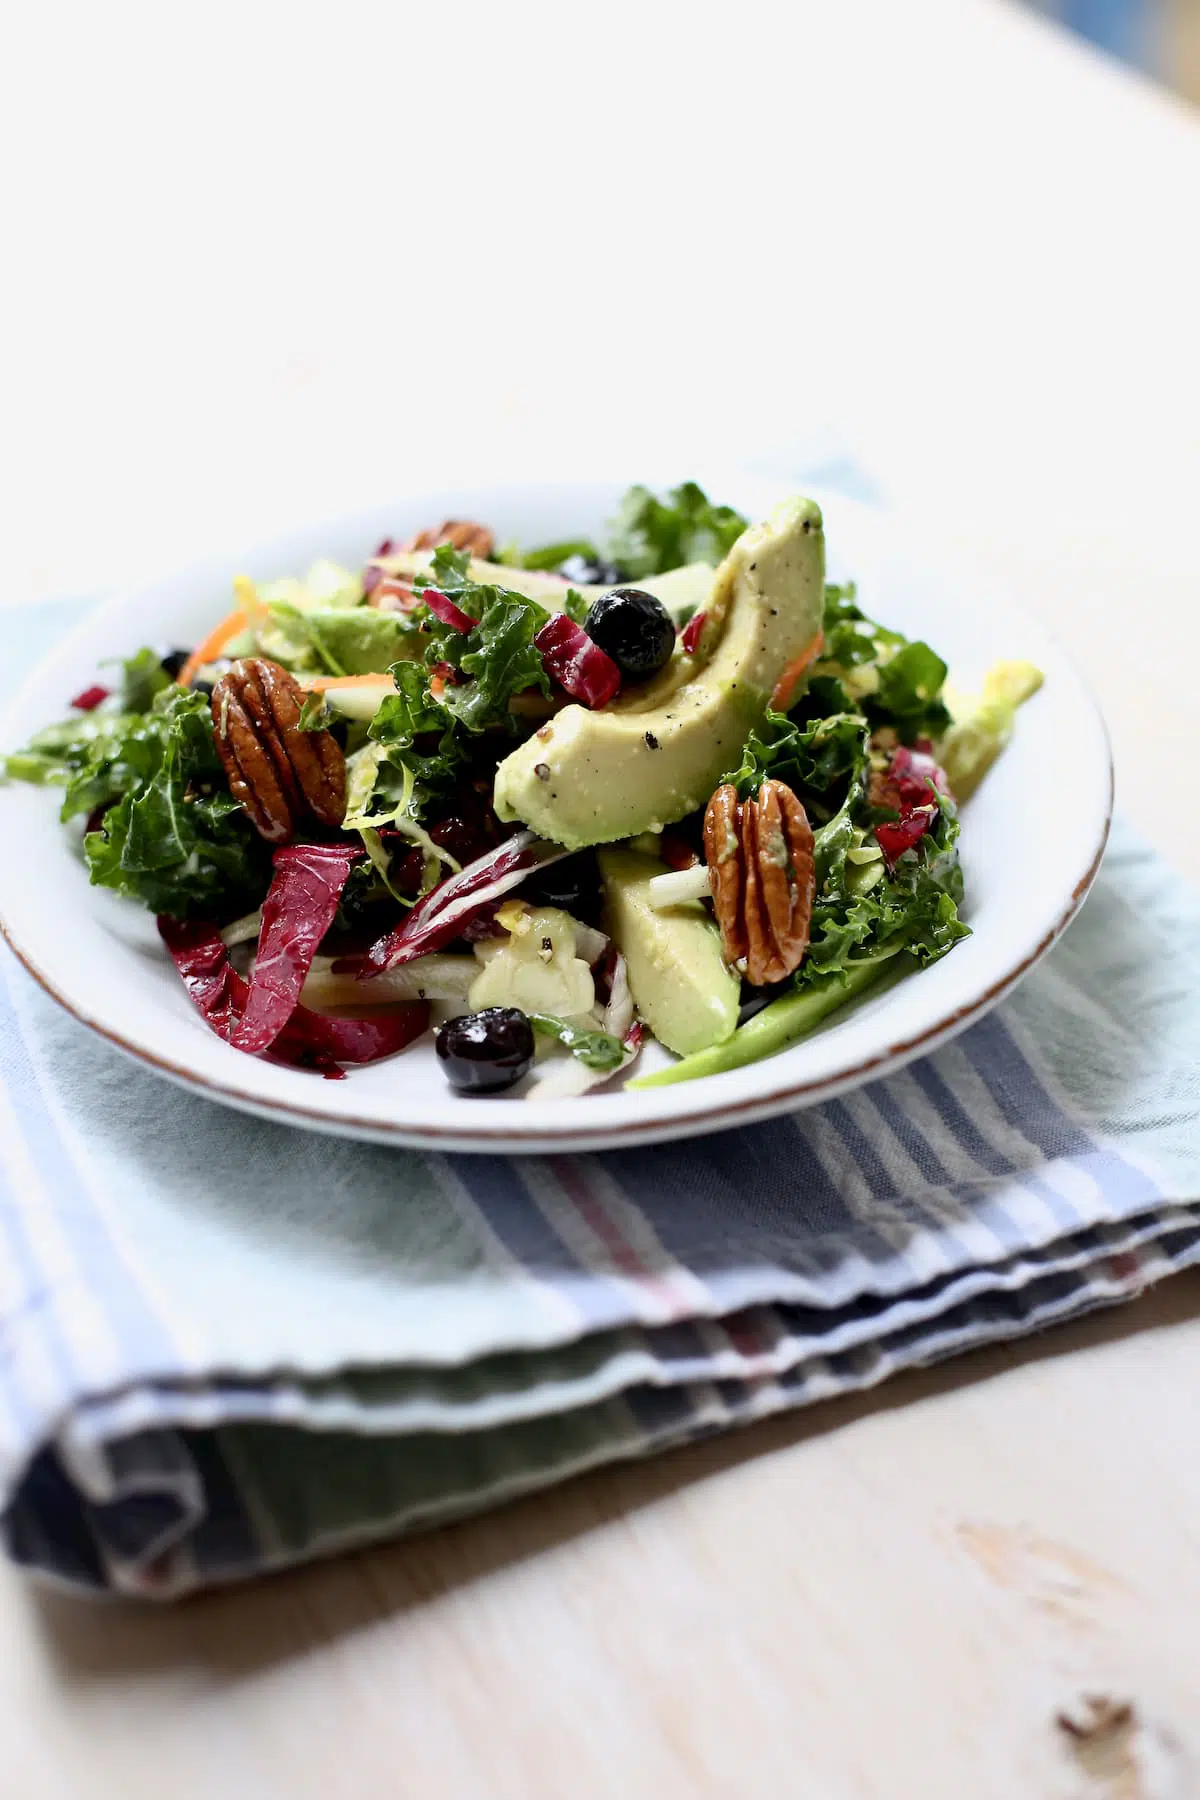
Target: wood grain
[888,1595]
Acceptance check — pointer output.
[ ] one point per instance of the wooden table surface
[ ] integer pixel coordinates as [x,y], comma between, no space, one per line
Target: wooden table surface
[263,264]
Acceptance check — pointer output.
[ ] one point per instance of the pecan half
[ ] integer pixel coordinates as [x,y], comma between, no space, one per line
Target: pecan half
[463,534]
[760,859]
[279,773]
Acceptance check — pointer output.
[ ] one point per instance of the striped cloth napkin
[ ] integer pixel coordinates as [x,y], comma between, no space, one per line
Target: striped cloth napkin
[228,1345]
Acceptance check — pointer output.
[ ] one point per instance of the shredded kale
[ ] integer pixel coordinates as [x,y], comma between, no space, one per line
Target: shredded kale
[651,535]
[897,681]
[173,836]
[422,746]
[497,658]
[142,676]
[813,759]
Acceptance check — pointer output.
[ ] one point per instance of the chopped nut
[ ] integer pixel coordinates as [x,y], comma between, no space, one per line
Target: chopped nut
[760,859]
[277,772]
[463,534]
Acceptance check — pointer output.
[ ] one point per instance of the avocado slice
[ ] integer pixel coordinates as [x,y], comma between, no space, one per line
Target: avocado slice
[680,982]
[657,752]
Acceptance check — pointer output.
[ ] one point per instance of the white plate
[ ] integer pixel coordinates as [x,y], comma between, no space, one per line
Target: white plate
[1031,843]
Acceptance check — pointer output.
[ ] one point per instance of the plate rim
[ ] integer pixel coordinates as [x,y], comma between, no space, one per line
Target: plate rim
[495,1135]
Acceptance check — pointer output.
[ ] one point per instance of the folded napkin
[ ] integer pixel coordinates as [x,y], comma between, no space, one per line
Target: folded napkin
[228,1345]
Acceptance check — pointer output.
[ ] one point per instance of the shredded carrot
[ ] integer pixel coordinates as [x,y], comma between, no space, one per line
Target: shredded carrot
[317,684]
[437,686]
[788,682]
[208,651]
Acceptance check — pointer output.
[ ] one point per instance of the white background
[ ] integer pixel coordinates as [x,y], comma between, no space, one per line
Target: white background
[265,258]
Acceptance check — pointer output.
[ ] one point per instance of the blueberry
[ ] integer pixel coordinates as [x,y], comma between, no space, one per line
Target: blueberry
[485,1052]
[634,628]
[173,662]
[591,571]
[572,885]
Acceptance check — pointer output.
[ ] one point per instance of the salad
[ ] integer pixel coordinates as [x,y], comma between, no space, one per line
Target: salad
[546,802]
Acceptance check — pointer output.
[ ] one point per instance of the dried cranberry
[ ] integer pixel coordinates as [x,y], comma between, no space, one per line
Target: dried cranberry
[916,776]
[895,837]
[90,698]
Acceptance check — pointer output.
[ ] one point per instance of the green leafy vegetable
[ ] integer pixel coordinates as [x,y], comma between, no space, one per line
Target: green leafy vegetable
[811,759]
[910,689]
[316,714]
[175,839]
[358,640]
[549,556]
[449,570]
[142,676]
[651,535]
[863,909]
[172,836]
[56,755]
[594,1049]
[411,713]
[500,659]
[381,789]
[897,681]
[496,657]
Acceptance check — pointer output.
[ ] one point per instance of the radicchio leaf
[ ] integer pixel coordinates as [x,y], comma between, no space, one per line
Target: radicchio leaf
[296,914]
[918,782]
[309,1040]
[580,666]
[442,607]
[443,914]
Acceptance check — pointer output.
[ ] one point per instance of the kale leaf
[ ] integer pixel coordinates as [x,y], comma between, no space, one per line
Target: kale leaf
[496,658]
[175,838]
[142,676]
[56,755]
[651,535]
[812,759]
[896,680]
[418,735]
